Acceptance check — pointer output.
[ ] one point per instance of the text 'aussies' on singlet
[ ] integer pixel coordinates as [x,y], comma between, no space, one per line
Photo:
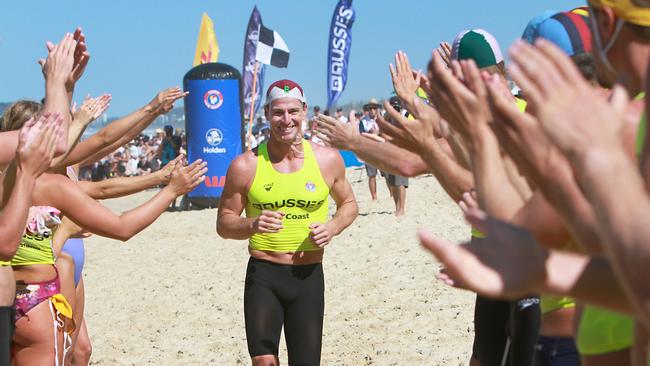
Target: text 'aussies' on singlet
[301,195]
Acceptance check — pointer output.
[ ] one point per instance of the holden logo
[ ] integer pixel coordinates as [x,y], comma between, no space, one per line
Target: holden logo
[213,137]
[213,99]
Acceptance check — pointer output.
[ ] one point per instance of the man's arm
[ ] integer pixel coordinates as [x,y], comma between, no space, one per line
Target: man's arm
[542,220]
[453,178]
[388,157]
[496,195]
[230,223]
[621,216]
[590,279]
[494,267]
[341,192]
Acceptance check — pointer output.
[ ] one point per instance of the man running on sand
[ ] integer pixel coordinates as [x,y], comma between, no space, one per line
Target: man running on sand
[283,185]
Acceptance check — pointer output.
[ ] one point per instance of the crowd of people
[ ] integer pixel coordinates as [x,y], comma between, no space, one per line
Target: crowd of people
[47,211]
[143,155]
[552,174]
[547,157]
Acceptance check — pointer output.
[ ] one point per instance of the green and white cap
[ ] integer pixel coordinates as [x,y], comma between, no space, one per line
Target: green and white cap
[478,45]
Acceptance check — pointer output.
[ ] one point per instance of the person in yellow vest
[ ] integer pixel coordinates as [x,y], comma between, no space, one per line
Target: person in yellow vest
[283,185]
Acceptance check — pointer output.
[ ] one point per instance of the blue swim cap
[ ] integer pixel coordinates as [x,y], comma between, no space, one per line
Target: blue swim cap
[569,31]
[529,32]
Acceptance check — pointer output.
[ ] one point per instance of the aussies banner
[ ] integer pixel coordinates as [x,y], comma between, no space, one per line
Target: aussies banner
[339,50]
[250,49]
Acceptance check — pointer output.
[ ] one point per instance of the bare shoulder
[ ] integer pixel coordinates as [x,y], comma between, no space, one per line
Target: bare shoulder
[244,162]
[329,160]
[51,185]
[242,169]
[326,155]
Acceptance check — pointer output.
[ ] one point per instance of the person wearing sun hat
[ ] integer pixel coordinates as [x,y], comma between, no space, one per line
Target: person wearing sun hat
[368,124]
[284,185]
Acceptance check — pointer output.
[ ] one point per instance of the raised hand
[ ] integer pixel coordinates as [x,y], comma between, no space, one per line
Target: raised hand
[36,143]
[405,81]
[163,102]
[91,109]
[561,98]
[445,53]
[413,135]
[81,58]
[60,59]
[268,222]
[523,139]
[336,134]
[166,172]
[508,263]
[185,178]
[463,105]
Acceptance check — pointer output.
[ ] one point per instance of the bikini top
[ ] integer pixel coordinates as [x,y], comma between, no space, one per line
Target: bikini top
[36,244]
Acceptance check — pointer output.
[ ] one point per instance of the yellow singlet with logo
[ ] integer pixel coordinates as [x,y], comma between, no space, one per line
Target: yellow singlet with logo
[301,195]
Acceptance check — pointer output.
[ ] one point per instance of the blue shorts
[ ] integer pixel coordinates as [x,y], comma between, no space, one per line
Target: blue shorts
[75,247]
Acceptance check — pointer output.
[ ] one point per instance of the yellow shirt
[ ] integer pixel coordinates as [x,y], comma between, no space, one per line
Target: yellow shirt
[301,196]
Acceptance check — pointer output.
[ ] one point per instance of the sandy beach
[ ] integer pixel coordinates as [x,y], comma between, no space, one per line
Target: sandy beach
[173,295]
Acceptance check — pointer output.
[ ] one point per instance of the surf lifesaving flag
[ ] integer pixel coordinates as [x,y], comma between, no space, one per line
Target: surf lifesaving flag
[271,48]
[207,48]
[338,47]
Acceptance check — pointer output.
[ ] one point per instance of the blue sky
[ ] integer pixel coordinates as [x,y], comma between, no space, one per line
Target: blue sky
[140,47]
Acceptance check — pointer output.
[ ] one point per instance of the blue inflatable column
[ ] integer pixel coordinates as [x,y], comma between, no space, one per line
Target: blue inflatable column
[213,124]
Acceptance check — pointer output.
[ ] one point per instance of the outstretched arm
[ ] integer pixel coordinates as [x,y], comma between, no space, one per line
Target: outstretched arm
[386,157]
[60,192]
[118,133]
[89,111]
[124,186]
[495,267]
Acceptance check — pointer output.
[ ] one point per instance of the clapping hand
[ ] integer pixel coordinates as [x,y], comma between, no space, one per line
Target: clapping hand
[36,143]
[163,102]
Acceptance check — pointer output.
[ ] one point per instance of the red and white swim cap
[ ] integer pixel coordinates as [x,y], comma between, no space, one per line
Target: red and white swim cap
[284,89]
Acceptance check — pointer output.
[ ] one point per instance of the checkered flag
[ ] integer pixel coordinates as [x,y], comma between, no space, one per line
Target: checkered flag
[271,49]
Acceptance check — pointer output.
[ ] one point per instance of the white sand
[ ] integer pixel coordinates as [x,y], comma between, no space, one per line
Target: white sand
[173,295]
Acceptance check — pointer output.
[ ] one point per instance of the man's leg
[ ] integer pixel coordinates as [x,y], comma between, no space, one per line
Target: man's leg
[400,201]
[490,335]
[525,321]
[372,181]
[398,185]
[263,314]
[303,327]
